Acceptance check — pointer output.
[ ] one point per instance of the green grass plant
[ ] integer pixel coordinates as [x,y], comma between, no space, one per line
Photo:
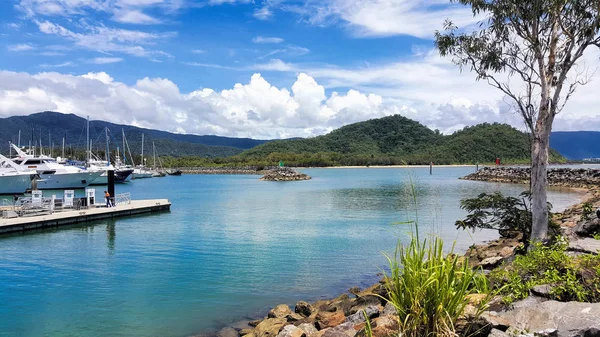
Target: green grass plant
[428,288]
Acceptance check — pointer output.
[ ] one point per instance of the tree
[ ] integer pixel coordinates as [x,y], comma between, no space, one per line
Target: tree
[538,45]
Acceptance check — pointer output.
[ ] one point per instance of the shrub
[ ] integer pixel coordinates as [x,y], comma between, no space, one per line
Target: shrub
[571,278]
[508,215]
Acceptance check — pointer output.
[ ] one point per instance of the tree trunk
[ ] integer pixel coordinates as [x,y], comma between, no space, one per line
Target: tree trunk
[539,181]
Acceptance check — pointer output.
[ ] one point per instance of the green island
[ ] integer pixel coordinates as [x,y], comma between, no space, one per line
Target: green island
[392,140]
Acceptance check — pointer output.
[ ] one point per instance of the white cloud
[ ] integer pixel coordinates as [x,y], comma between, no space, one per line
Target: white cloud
[418,18]
[105,40]
[134,16]
[20,47]
[262,39]
[59,65]
[198,51]
[124,11]
[255,109]
[105,60]
[263,13]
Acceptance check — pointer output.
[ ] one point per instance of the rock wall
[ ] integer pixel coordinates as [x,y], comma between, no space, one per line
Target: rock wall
[227,170]
[570,177]
[284,174]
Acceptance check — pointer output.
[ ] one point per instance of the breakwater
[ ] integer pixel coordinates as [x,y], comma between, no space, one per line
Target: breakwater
[284,174]
[568,177]
[227,170]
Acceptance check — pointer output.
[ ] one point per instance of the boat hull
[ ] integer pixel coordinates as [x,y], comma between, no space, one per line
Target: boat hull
[14,184]
[66,180]
[121,176]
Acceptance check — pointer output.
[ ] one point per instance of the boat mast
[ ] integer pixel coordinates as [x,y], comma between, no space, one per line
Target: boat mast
[107,156]
[142,149]
[19,141]
[154,154]
[63,148]
[88,146]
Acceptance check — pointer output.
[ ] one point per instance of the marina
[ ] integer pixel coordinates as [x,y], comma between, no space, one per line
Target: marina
[81,215]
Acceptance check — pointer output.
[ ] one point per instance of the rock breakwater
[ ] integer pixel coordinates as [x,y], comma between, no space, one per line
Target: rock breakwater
[569,177]
[227,170]
[284,174]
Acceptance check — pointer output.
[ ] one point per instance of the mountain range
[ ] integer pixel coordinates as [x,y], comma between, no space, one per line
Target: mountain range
[392,136]
[53,126]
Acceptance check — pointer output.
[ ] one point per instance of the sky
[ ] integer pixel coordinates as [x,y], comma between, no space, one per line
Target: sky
[250,68]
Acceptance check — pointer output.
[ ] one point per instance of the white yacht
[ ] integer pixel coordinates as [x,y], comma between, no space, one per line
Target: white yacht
[54,175]
[13,178]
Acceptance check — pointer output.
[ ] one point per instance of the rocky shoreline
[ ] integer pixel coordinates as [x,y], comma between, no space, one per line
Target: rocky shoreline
[567,177]
[344,316]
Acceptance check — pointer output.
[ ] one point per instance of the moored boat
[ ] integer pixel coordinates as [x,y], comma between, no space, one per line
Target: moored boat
[13,179]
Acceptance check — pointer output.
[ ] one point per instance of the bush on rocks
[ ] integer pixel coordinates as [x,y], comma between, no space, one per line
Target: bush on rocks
[551,272]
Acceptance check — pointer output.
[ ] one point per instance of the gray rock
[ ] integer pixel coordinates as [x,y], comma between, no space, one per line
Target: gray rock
[568,318]
[498,333]
[587,245]
[359,316]
[530,301]
[389,309]
[491,262]
[228,332]
[308,328]
[342,330]
[544,290]
[588,228]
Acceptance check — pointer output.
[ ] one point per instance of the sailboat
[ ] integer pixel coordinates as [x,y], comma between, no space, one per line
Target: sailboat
[140,171]
[94,164]
[156,172]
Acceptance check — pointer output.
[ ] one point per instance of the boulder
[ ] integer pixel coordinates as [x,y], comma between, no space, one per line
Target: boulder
[291,331]
[588,228]
[304,309]
[280,311]
[586,245]
[270,327]
[544,290]
[228,332]
[359,316]
[294,317]
[491,262]
[308,328]
[389,309]
[341,303]
[495,321]
[342,330]
[384,326]
[568,318]
[327,319]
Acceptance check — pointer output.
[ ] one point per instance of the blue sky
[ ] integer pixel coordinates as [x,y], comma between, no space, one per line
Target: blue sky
[264,69]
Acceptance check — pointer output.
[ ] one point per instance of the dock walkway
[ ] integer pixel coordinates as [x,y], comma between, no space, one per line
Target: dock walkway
[71,217]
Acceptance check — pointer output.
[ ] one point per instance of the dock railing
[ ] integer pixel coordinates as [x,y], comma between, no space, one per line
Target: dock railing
[123,199]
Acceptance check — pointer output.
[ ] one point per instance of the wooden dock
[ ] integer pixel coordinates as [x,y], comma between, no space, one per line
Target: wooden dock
[71,217]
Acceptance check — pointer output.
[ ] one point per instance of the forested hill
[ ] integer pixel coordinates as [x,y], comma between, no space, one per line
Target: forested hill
[399,140]
[394,134]
[58,125]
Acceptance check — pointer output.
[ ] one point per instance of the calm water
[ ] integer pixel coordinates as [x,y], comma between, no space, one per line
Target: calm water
[231,247]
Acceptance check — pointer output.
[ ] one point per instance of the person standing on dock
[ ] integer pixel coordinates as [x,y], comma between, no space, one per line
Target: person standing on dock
[108,200]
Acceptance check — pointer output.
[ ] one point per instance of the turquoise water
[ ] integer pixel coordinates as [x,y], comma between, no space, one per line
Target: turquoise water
[231,247]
